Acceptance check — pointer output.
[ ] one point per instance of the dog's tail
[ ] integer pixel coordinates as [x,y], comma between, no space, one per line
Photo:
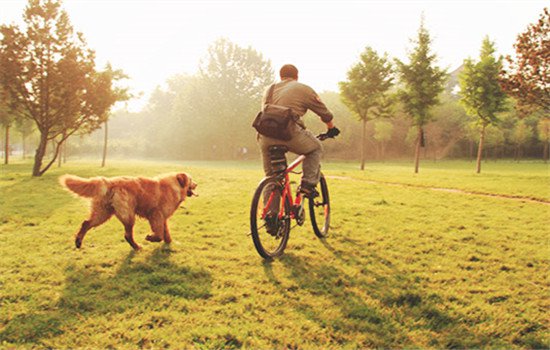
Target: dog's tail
[88,188]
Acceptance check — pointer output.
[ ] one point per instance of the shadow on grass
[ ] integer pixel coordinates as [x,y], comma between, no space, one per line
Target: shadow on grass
[413,305]
[383,307]
[91,293]
[32,199]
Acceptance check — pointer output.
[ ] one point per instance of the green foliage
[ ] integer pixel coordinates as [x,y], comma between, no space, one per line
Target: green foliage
[382,130]
[421,81]
[369,81]
[481,94]
[424,269]
[216,107]
[494,136]
[543,130]
[521,133]
[51,77]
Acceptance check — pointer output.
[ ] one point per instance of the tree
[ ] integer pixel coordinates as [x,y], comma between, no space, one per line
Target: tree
[494,137]
[50,74]
[481,94]
[422,83]
[26,127]
[528,76]
[216,107]
[520,135]
[382,133]
[6,120]
[366,89]
[543,131]
[119,94]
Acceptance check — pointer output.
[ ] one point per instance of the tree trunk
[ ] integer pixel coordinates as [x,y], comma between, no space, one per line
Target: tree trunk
[39,155]
[364,146]
[545,152]
[480,148]
[23,141]
[60,156]
[65,145]
[417,150]
[7,145]
[105,145]
[61,147]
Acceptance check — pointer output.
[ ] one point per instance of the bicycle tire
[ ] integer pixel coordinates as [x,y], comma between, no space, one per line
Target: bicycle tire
[261,237]
[319,210]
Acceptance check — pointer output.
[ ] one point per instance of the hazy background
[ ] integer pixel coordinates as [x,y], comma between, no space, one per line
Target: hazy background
[180,111]
[153,40]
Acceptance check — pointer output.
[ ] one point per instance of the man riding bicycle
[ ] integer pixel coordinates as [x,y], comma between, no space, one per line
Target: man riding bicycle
[298,97]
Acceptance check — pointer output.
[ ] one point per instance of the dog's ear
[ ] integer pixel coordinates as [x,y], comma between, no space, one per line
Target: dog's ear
[182,179]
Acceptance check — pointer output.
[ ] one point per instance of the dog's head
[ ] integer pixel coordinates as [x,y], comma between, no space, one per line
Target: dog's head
[187,185]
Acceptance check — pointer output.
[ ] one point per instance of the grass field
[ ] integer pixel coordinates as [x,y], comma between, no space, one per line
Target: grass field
[406,265]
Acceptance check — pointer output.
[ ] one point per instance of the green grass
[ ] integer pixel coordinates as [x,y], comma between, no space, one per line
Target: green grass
[405,267]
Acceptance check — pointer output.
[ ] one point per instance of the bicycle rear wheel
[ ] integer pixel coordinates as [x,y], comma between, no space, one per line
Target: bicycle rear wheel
[269,239]
[319,210]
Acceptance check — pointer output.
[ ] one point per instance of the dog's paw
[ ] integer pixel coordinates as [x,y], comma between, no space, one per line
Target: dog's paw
[152,238]
[78,242]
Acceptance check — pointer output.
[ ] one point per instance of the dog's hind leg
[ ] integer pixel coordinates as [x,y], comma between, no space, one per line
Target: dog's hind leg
[157,226]
[99,215]
[129,236]
[128,220]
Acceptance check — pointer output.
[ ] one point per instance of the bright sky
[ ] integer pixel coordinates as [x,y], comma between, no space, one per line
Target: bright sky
[153,40]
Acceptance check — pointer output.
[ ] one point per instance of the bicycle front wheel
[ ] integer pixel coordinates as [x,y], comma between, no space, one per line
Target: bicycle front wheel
[270,230]
[319,210]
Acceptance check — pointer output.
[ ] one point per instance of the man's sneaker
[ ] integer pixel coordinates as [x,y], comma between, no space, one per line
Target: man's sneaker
[271,225]
[308,190]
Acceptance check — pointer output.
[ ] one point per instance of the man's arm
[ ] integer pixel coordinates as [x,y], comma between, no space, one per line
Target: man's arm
[319,108]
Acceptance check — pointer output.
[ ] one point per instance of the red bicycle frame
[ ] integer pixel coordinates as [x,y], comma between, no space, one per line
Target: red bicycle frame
[287,192]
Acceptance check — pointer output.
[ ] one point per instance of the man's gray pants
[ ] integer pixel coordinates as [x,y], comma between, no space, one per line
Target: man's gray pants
[302,142]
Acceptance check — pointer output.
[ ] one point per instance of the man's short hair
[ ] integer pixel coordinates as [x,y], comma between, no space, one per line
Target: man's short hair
[288,71]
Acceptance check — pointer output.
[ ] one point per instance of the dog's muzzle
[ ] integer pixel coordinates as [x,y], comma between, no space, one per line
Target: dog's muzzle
[190,190]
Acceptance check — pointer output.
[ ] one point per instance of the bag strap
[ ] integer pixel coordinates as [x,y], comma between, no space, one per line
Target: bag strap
[269,95]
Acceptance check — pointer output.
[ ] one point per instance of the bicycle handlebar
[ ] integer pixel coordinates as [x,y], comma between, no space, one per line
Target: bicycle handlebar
[330,134]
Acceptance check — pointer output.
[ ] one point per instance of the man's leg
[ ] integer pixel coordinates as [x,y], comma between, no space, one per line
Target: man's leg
[265,143]
[304,142]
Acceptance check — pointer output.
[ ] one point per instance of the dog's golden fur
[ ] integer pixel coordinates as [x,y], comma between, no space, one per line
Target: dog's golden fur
[155,199]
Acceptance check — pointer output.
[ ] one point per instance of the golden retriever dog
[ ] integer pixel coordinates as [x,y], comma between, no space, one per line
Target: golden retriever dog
[154,199]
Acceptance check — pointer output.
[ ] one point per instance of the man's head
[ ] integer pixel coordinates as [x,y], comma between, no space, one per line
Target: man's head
[288,71]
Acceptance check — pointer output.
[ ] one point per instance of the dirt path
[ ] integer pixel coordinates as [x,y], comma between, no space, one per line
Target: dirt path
[450,190]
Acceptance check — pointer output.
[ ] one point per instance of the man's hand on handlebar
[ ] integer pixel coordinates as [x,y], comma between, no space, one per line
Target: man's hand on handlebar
[330,134]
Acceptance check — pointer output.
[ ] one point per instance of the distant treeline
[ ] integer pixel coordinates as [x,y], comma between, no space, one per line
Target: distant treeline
[386,109]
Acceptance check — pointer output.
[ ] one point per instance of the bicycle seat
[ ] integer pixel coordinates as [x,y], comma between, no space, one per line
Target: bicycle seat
[277,157]
[278,149]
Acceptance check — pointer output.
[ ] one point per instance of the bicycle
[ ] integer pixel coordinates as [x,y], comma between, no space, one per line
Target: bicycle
[273,199]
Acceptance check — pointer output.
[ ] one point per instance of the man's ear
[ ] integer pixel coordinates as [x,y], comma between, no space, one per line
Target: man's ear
[182,179]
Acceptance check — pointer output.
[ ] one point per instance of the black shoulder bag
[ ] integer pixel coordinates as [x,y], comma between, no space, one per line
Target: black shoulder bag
[274,121]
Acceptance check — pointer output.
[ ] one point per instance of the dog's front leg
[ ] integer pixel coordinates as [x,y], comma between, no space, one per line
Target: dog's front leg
[167,237]
[157,226]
